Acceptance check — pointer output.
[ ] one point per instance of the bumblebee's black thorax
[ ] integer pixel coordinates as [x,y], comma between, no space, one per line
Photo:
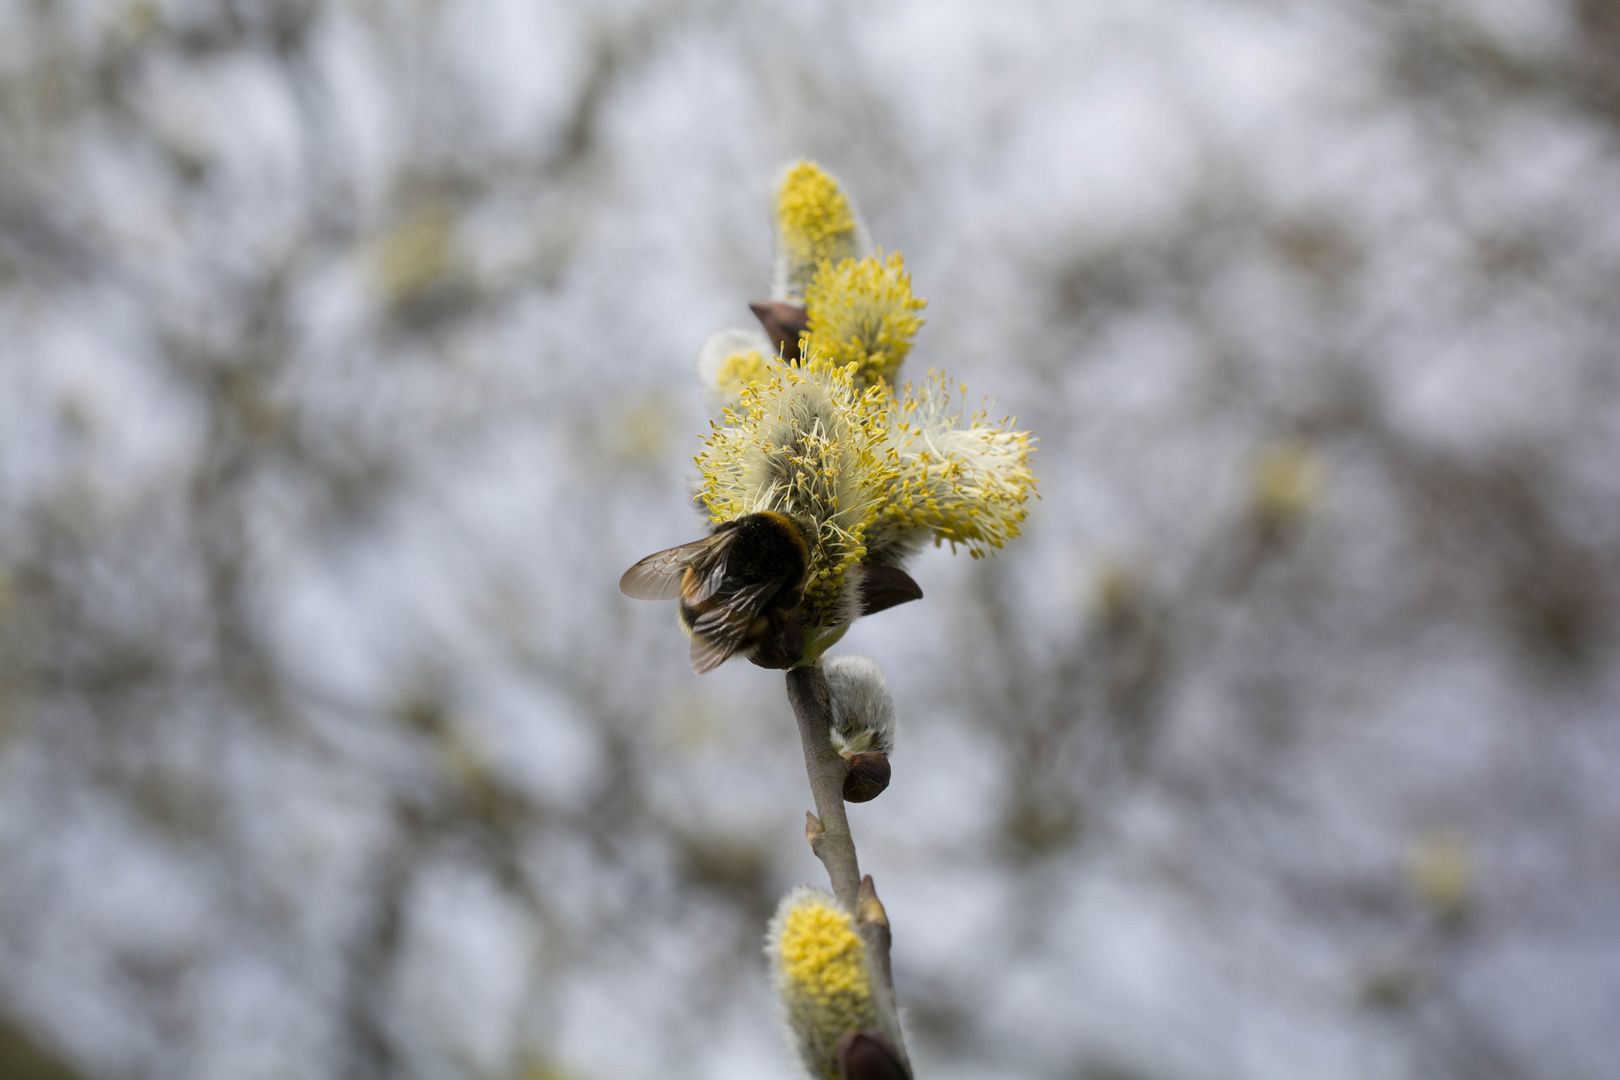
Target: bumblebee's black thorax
[767,546]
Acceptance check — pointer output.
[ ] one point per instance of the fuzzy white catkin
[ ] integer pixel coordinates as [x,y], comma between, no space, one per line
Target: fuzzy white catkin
[861,705]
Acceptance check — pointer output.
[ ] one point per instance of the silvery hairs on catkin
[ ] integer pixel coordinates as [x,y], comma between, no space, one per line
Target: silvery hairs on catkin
[863,719]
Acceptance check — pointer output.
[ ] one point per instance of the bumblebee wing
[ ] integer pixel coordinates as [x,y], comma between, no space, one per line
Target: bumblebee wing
[721,632]
[658,576]
[708,573]
[706,655]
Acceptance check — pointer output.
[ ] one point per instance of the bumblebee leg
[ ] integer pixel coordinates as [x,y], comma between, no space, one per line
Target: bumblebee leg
[783,646]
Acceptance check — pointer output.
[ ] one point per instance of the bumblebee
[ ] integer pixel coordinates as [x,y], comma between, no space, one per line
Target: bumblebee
[739,588]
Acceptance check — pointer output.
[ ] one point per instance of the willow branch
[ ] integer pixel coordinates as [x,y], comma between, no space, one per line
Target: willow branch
[830,839]
[835,847]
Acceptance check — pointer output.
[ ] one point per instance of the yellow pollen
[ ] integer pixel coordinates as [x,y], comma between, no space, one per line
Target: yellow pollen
[821,953]
[862,314]
[812,215]
[741,368]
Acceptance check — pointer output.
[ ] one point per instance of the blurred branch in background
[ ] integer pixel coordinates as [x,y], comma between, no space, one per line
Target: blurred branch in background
[1285,744]
[25,1059]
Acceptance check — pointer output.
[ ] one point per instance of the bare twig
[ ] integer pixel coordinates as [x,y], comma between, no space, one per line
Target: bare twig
[807,693]
[827,830]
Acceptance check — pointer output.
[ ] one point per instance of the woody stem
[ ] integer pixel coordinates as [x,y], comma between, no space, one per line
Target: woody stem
[807,693]
[830,838]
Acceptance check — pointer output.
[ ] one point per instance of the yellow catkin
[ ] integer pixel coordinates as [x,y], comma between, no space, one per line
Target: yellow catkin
[815,222]
[960,477]
[1286,482]
[812,214]
[862,312]
[741,368]
[866,472]
[819,967]
[1440,871]
[417,254]
[822,955]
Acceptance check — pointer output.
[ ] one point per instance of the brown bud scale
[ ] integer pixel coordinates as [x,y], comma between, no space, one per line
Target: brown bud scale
[868,776]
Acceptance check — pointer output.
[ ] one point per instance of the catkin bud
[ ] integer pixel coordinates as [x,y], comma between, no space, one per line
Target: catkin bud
[730,360]
[862,707]
[863,723]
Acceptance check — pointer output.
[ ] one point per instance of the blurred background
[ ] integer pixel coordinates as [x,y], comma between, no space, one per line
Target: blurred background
[345,363]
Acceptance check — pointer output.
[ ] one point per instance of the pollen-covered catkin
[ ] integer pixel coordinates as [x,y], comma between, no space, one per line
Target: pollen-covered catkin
[815,223]
[862,312]
[960,477]
[818,964]
[809,445]
[867,471]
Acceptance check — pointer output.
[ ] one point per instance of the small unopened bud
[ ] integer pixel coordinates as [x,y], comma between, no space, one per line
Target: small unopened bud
[868,776]
[868,908]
